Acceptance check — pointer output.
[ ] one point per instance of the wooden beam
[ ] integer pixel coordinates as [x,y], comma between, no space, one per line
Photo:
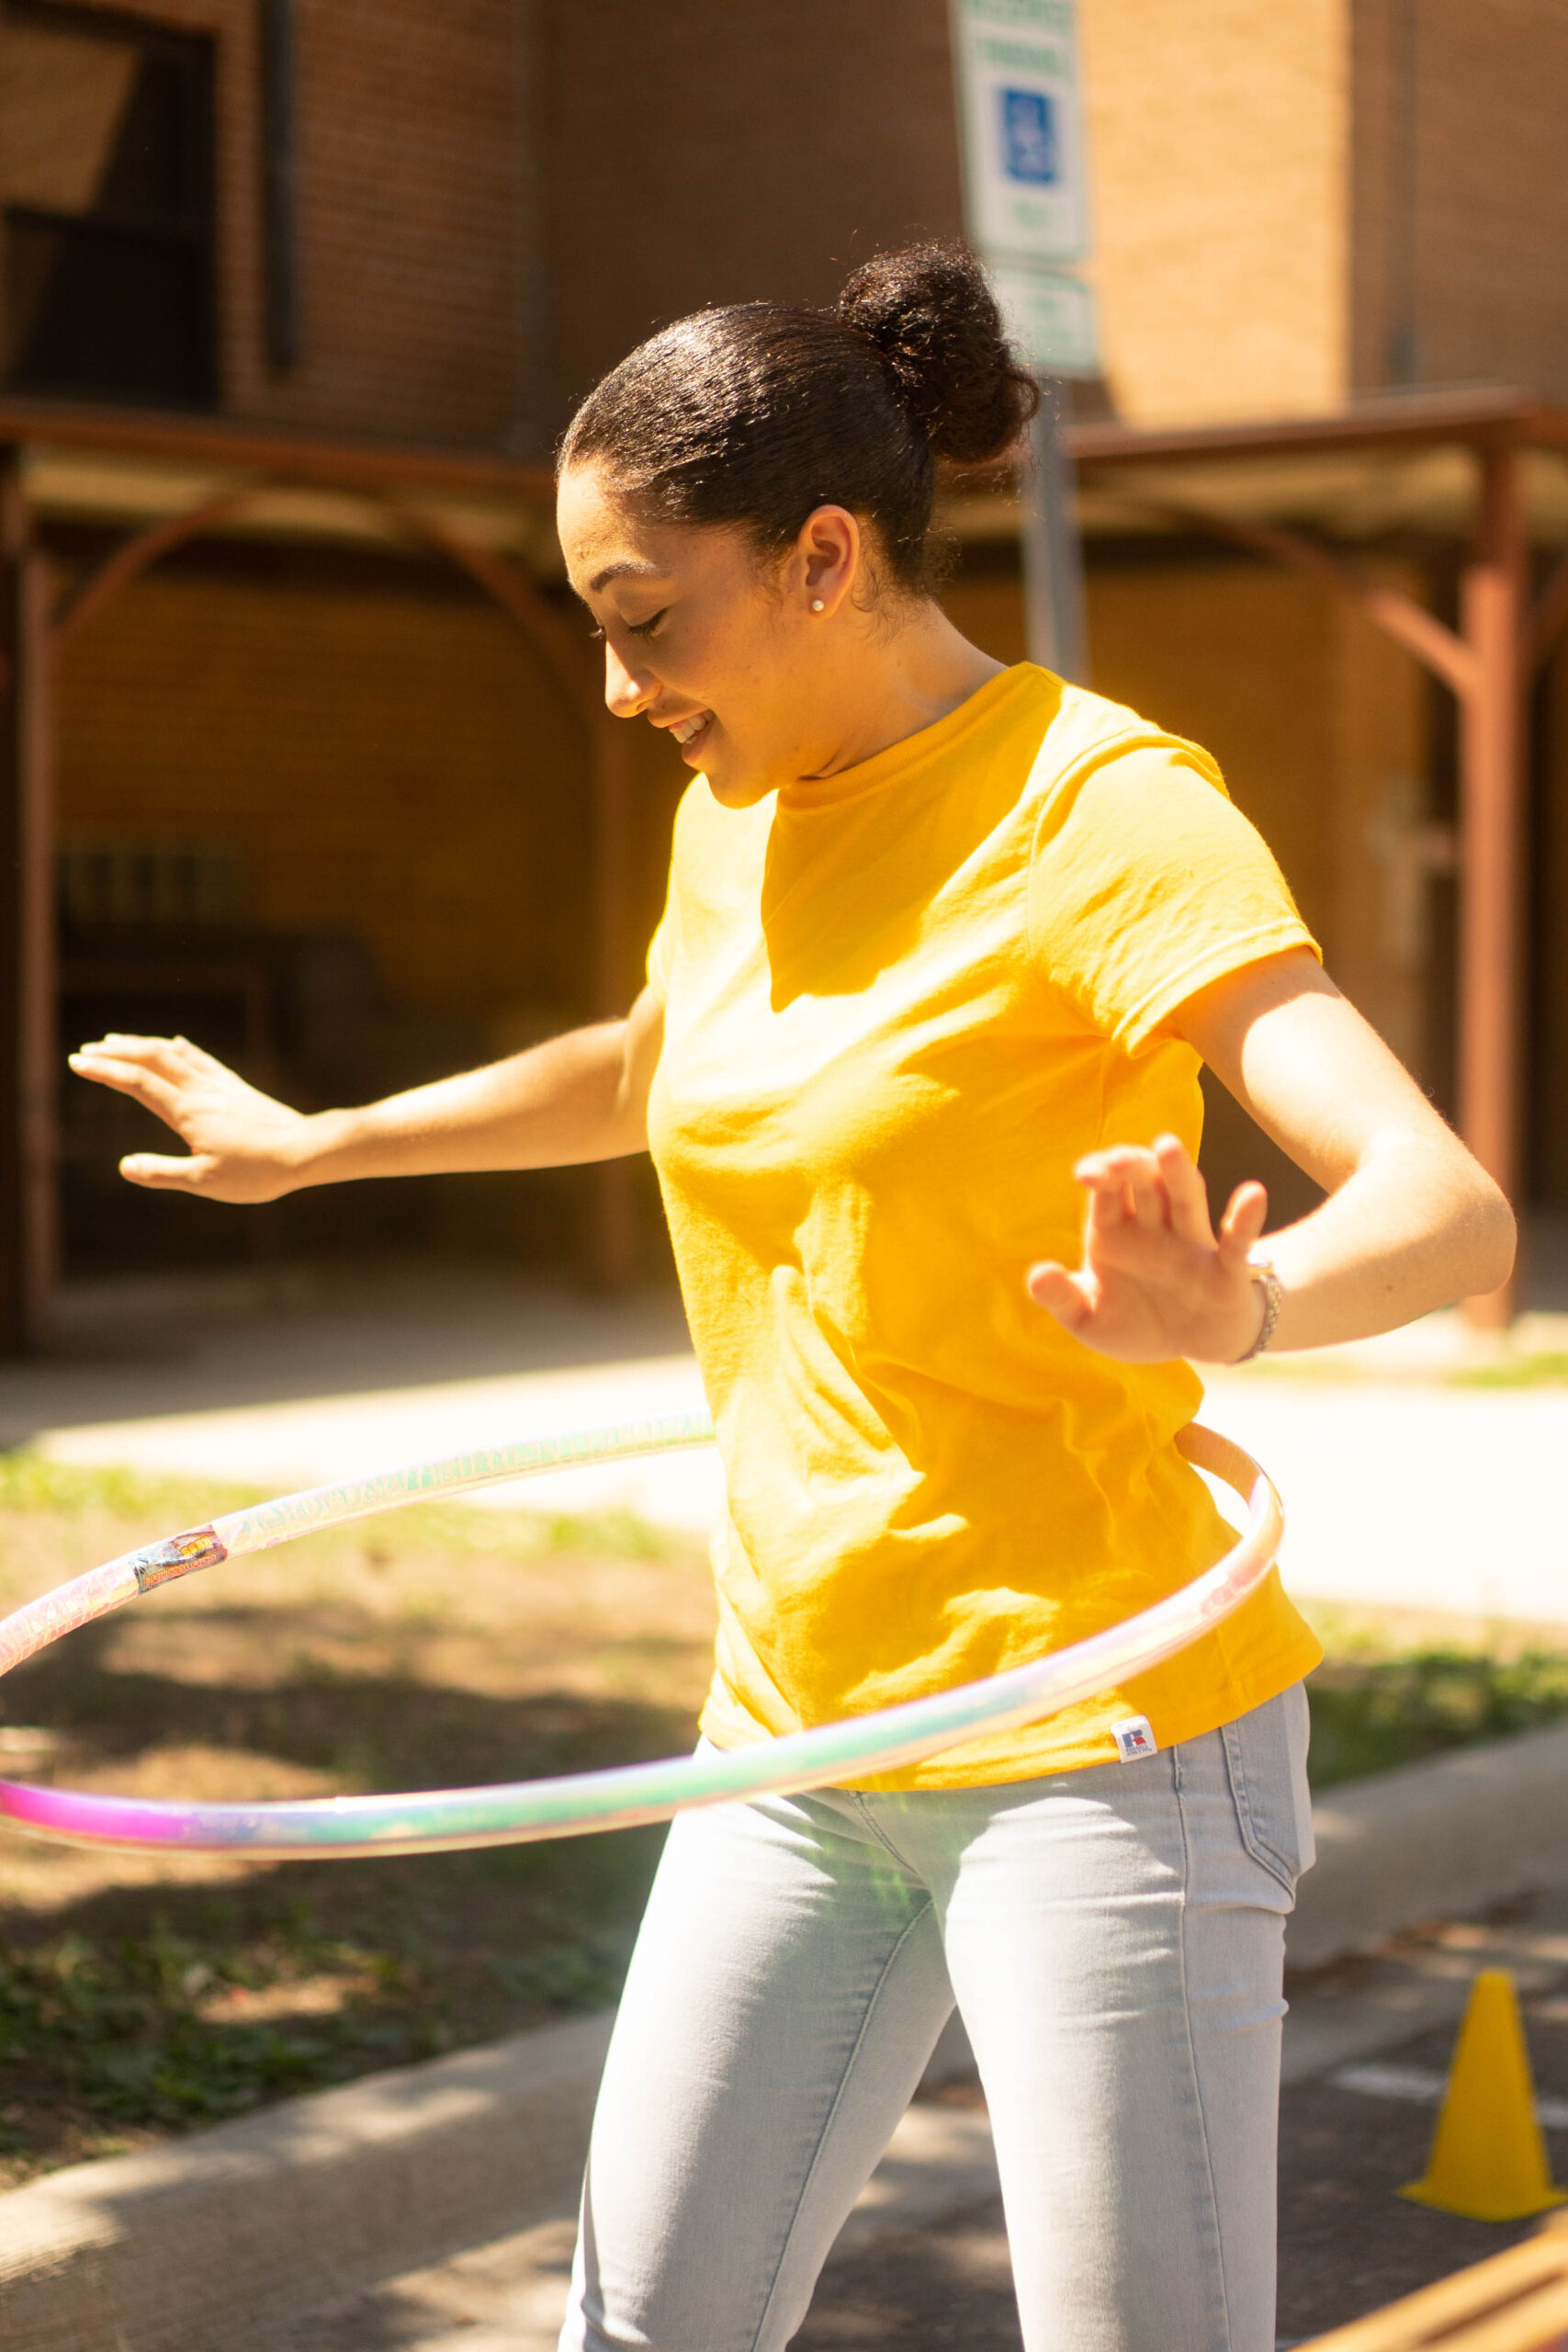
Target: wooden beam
[1491,960]
[364,465]
[135,555]
[29,1048]
[1435,646]
[1391,422]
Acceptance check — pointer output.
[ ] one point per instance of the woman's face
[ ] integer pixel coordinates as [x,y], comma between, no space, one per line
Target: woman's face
[724,651]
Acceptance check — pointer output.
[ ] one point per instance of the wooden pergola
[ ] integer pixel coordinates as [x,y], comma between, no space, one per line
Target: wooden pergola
[175,481]
[1269,488]
[1482,451]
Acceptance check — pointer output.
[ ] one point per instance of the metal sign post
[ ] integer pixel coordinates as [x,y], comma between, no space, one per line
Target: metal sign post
[1021,135]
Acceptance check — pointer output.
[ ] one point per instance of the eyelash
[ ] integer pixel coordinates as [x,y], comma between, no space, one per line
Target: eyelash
[634,629]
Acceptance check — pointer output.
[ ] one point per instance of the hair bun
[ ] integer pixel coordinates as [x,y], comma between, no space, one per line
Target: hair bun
[937,331]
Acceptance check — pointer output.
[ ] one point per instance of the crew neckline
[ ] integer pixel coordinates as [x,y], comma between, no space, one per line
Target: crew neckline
[895,760]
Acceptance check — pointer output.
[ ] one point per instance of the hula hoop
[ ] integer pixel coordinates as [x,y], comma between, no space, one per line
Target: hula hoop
[448,1820]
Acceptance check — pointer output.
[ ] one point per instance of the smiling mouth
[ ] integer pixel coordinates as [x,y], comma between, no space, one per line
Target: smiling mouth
[687,730]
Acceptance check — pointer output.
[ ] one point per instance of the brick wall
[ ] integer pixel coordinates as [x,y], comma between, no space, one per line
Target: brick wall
[715,153]
[388,764]
[1460,193]
[1314,718]
[1548,883]
[417,231]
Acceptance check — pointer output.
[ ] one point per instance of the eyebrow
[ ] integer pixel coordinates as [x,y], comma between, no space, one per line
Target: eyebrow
[628,568]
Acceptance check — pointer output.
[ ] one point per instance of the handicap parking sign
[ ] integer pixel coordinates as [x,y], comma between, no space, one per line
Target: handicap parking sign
[1031,148]
[1020,118]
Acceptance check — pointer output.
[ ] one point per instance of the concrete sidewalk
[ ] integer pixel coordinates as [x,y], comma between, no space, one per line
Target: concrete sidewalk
[311,1378]
[1401,1491]
[432,2206]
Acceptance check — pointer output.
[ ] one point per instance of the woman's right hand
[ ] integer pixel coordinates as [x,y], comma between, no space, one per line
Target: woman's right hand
[242,1146]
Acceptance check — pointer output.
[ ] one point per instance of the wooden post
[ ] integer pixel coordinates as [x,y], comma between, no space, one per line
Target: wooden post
[29,1049]
[1490,961]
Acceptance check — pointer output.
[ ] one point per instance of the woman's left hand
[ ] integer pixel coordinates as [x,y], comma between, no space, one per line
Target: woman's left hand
[1157,1280]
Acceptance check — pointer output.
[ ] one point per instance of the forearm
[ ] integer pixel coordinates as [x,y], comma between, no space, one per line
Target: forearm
[1416,1226]
[570,1100]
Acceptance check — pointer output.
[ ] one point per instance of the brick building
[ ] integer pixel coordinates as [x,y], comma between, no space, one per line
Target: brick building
[295,296]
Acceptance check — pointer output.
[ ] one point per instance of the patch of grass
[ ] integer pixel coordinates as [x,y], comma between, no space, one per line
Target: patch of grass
[30,1482]
[1370,1712]
[1548,1370]
[430,1647]
[435,1646]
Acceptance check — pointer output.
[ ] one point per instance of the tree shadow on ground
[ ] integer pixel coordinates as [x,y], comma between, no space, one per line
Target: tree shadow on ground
[159,2005]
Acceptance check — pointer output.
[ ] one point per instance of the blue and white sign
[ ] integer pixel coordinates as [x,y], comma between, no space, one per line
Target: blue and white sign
[1021,116]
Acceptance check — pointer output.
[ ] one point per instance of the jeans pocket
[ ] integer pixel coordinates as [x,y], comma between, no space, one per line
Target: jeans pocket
[1265,1754]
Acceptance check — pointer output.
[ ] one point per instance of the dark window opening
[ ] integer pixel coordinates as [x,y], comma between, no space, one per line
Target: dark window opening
[108,263]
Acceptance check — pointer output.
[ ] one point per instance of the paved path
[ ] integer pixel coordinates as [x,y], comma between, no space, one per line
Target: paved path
[1415,1496]
[348,1375]
[1400,1491]
[922,2264]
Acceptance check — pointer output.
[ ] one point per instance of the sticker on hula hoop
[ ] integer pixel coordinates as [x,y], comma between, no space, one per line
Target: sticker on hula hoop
[450,1820]
[177,1556]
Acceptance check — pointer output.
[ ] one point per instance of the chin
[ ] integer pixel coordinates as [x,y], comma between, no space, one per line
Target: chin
[734,791]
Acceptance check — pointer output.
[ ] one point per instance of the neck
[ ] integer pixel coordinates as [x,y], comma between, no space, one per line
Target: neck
[892,687]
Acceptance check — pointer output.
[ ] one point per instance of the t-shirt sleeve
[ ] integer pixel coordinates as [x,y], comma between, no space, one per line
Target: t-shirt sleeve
[1146,884]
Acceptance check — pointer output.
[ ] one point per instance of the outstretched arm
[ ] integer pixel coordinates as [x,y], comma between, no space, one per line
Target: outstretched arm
[1412,1221]
[580,1097]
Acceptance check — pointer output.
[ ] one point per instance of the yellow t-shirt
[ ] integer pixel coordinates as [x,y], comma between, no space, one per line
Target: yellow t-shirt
[899,1004]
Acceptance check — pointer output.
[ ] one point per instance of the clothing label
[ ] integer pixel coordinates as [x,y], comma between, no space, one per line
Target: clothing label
[1135,1738]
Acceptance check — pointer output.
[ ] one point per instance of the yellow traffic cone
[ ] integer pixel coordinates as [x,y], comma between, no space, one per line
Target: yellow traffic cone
[1488,2159]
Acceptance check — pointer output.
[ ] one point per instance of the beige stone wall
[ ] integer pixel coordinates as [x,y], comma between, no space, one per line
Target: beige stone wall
[1218,141]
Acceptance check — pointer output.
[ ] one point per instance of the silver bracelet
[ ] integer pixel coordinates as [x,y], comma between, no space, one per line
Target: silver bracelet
[1273,1291]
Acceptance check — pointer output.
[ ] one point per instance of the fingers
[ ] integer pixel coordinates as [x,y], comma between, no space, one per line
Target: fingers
[1161,1186]
[1243,1222]
[169,1058]
[1069,1298]
[1185,1191]
[158,1175]
[144,1085]
[1125,1185]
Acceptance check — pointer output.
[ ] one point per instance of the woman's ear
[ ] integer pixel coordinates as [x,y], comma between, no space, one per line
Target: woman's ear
[828,555]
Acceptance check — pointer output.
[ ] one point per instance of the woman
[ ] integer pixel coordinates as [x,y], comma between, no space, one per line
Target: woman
[945,948]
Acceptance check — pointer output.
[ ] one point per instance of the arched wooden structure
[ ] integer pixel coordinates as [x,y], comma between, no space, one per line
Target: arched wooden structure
[39,629]
[1502,639]
[1489,664]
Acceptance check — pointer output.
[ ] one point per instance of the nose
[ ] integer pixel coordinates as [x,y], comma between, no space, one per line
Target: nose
[625,691]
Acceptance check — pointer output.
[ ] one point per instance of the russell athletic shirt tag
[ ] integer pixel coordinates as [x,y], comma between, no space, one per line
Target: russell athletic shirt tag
[1135,1739]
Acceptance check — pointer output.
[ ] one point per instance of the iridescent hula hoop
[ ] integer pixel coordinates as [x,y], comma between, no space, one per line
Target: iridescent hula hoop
[446,1820]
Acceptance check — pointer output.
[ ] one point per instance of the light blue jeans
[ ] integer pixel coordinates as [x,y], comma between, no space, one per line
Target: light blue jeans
[1114,1938]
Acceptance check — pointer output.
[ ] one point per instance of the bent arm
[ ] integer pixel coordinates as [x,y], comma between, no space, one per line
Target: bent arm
[579,1097]
[1412,1220]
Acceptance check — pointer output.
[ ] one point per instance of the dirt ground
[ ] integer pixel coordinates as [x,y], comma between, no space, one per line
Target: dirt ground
[441,1647]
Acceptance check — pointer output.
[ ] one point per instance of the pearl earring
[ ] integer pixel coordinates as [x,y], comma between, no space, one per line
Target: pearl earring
[817,605]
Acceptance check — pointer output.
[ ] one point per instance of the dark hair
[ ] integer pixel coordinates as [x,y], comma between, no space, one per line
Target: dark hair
[759,412]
